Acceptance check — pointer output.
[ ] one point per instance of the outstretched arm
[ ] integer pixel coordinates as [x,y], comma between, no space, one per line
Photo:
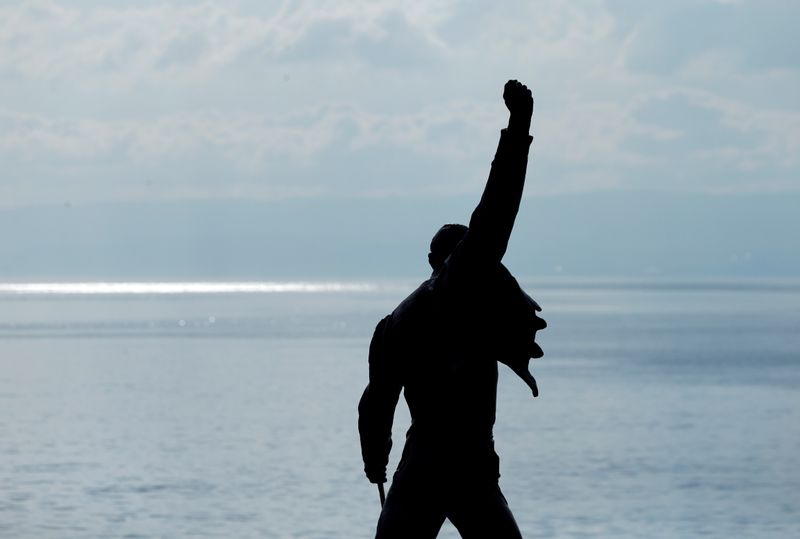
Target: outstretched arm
[493,219]
[485,243]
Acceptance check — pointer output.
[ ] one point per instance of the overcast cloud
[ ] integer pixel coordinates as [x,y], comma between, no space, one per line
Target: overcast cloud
[105,101]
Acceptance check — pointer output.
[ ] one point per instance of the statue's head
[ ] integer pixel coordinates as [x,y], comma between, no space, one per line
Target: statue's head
[443,243]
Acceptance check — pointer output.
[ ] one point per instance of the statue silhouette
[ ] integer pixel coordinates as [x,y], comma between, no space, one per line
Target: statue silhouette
[441,346]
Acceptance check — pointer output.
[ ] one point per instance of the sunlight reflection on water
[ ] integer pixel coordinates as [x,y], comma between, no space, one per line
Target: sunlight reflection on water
[184,287]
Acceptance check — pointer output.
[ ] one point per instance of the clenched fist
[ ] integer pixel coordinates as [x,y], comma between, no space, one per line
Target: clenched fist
[519,102]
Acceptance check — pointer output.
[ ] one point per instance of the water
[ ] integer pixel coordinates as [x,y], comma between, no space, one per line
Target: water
[667,410]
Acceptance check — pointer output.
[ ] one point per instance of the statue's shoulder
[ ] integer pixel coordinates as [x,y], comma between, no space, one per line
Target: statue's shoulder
[416,306]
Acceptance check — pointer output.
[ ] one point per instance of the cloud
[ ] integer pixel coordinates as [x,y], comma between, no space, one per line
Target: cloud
[295,152]
[46,40]
[317,96]
[761,35]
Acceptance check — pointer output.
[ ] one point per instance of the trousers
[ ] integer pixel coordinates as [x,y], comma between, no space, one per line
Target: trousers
[417,511]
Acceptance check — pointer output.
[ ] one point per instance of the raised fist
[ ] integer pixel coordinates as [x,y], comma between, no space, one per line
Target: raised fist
[518,99]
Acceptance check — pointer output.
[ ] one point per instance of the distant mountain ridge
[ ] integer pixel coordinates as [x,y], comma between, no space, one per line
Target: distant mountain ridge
[600,234]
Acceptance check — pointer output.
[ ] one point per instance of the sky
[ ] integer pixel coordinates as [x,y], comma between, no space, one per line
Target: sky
[175,106]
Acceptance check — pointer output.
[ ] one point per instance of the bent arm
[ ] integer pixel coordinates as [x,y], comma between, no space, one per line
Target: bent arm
[376,408]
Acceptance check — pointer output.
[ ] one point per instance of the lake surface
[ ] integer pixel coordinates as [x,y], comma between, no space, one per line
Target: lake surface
[667,410]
